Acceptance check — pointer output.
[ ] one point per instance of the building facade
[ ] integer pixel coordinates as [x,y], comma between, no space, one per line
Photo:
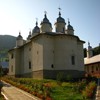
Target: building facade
[46,53]
[92,63]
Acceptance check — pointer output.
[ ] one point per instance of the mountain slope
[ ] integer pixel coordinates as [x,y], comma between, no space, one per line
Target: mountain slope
[7,42]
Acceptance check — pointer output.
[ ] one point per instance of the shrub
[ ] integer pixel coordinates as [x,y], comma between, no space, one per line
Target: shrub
[59,78]
[69,78]
[89,90]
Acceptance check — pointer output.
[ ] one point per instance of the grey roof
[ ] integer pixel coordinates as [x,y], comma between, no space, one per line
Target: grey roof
[60,19]
[91,60]
[69,27]
[29,36]
[45,20]
[36,30]
[19,37]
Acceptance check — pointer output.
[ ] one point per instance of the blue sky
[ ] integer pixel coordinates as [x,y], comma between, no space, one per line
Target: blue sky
[20,15]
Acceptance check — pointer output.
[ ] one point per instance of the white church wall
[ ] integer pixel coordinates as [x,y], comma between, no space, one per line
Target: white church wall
[11,55]
[80,56]
[37,53]
[65,47]
[48,52]
[27,58]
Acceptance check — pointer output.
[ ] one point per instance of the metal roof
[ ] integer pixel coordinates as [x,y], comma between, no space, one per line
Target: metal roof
[91,60]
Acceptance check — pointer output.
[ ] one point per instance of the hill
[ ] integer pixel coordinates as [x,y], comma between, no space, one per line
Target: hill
[6,42]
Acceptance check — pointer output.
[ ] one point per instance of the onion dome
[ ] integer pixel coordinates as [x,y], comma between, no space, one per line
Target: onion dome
[45,25]
[60,19]
[60,24]
[45,20]
[19,37]
[89,47]
[69,27]
[29,36]
[36,29]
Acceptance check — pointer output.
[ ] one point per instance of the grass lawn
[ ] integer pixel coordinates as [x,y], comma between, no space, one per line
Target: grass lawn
[65,93]
[50,88]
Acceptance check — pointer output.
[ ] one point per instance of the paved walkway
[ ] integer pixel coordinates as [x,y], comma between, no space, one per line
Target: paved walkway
[13,93]
[98,93]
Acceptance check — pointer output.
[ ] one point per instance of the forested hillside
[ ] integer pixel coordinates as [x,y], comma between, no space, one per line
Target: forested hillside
[96,51]
[6,42]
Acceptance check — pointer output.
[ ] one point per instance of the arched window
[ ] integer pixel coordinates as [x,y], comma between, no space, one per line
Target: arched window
[73,60]
[12,56]
[29,64]
[52,66]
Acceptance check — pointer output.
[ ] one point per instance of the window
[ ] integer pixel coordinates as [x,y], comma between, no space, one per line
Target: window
[52,66]
[12,56]
[29,65]
[73,60]
[63,29]
[87,69]
[92,69]
[96,68]
[29,49]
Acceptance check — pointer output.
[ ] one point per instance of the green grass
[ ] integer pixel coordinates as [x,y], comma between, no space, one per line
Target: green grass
[64,91]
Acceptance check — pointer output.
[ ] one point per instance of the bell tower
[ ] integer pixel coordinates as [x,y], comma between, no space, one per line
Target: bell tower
[89,51]
[19,40]
[45,24]
[60,23]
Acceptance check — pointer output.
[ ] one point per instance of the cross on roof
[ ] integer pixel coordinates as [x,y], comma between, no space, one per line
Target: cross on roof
[45,12]
[36,19]
[68,21]
[88,43]
[59,9]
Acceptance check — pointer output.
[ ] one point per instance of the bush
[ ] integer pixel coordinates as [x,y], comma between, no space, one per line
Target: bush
[89,90]
[59,78]
[69,78]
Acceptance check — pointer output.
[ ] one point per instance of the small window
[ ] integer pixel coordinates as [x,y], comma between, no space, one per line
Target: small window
[29,65]
[12,56]
[87,69]
[92,69]
[29,49]
[52,66]
[73,60]
[96,68]
[63,29]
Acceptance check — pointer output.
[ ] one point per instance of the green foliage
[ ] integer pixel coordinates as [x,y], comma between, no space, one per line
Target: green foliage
[50,88]
[59,78]
[88,92]
[69,78]
[96,51]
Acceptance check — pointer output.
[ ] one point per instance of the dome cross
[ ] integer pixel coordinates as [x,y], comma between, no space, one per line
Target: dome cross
[59,12]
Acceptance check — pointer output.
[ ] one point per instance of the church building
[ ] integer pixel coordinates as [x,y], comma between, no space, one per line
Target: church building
[45,54]
[92,63]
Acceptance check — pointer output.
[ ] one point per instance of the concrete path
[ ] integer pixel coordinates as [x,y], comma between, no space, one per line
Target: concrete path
[13,93]
[98,93]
